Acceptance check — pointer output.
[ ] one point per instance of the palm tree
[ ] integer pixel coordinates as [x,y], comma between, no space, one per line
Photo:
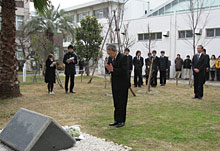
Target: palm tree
[9,84]
[49,23]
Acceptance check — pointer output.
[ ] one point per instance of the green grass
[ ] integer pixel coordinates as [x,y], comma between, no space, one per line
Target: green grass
[168,120]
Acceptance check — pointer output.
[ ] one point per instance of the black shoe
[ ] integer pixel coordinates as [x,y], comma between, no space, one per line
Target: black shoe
[195,97]
[72,91]
[114,123]
[120,125]
[162,85]
[135,86]
[200,98]
[66,92]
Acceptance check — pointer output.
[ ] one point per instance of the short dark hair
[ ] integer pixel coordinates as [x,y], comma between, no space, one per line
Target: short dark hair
[111,47]
[70,47]
[188,56]
[149,54]
[201,46]
[154,51]
[138,52]
[178,54]
[162,51]
[126,49]
[204,50]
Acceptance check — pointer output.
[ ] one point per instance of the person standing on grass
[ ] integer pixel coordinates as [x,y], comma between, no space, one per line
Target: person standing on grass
[70,60]
[118,67]
[138,63]
[147,66]
[178,66]
[130,64]
[163,67]
[154,69]
[50,76]
[187,65]
[217,65]
[207,65]
[199,66]
[212,67]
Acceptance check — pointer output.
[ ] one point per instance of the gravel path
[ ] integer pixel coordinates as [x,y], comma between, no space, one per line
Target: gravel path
[90,143]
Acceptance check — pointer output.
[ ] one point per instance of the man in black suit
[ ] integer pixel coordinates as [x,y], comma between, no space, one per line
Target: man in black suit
[118,67]
[207,62]
[138,63]
[199,67]
[70,59]
[154,69]
[163,67]
[147,65]
[130,64]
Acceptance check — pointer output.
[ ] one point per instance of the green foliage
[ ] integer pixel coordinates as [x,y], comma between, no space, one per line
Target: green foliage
[89,39]
[41,5]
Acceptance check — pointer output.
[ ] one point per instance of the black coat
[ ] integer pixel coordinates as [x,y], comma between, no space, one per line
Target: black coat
[147,64]
[199,64]
[70,67]
[120,74]
[138,64]
[130,64]
[187,64]
[207,61]
[163,63]
[50,76]
[155,63]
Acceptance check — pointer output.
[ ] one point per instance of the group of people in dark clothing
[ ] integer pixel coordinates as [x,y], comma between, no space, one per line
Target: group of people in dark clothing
[159,64]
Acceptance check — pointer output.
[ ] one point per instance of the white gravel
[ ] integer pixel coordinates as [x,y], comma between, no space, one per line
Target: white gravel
[90,143]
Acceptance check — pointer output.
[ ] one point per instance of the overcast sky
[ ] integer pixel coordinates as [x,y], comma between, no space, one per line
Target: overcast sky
[70,3]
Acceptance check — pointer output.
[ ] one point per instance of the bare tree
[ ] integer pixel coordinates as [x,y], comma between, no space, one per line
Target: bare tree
[128,40]
[148,37]
[196,19]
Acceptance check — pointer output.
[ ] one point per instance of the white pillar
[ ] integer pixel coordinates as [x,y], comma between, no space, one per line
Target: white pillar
[24,72]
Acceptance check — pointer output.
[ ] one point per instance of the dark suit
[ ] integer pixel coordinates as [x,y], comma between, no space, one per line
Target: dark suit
[130,68]
[154,71]
[138,64]
[163,66]
[120,85]
[147,69]
[70,70]
[207,60]
[199,63]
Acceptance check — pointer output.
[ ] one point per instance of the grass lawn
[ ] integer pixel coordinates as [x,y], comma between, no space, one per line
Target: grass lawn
[168,120]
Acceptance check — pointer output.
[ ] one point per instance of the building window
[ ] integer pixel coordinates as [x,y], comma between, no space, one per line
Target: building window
[185,34]
[19,53]
[81,16]
[214,32]
[152,36]
[101,13]
[158,35]
[140,37]
[19,22]
[19,4]
[217,32]
[189,34]
[146,36]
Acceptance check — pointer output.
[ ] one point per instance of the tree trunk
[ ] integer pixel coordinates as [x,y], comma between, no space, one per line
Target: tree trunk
[9,84]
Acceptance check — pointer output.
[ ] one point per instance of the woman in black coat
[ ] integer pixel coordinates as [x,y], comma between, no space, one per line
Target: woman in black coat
[50,76]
